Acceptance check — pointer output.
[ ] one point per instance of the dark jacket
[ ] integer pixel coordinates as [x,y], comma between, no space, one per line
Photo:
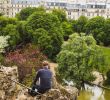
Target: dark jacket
[45,76]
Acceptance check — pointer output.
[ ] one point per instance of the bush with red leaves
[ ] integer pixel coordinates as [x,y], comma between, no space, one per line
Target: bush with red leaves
[26,58]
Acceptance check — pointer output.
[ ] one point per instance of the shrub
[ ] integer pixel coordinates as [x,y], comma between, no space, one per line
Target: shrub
[26,58]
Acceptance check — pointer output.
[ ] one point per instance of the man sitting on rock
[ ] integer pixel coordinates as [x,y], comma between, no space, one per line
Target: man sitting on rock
[44,77]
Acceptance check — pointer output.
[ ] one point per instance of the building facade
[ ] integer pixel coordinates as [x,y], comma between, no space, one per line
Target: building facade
[11,7]
[74,8]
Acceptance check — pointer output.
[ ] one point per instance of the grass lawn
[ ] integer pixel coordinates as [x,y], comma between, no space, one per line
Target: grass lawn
[106,51]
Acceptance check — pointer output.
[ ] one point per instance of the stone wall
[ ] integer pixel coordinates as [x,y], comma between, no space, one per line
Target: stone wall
[10,90]
[7,86]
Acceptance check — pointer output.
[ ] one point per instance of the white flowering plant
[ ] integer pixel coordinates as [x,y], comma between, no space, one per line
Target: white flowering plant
[3,43]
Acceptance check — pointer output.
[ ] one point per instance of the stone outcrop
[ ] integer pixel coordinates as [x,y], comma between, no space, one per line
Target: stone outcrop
[7,87]
[10,90]
[99,78]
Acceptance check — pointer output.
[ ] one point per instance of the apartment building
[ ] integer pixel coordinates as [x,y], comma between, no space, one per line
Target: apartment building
[11,7]
[74,8]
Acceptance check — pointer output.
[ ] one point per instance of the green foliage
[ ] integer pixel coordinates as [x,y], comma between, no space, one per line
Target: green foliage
[78,58]
[51,24]
[107,55]
[24,36]
[10,30]
[79,26]
[5,21]
[42,39]
[1,58]
[107,81]
[43,20]
[29,78]
[67,29]
[96,27]
[60,13]
[107,32]
[26,12]
[1,14]
[13,21]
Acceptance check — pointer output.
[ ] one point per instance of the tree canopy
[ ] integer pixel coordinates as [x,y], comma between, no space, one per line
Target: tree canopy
[51,24]
[78,57]
[26,12]
[60,13]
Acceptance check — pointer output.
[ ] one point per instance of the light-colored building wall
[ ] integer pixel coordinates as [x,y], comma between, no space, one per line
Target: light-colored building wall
[74,8]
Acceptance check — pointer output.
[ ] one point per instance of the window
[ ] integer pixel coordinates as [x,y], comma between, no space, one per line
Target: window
[69,13]
[90,6]
[76,10]
[97,14]
[88,14]
[100,6]
[52,4]
[83,10]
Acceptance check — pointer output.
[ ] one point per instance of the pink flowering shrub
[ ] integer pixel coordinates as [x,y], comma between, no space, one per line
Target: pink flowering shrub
[26,58]
[29,56]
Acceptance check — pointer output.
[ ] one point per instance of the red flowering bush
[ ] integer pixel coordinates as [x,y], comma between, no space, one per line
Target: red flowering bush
[29,56]
[26,58]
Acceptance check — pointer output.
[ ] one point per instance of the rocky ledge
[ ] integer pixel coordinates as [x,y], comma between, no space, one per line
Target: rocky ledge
[10,90]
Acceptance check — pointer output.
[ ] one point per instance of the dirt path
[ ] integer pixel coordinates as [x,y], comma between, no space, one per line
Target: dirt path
[53,66]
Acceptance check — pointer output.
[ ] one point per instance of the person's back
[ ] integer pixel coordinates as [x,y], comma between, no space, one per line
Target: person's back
[44,76]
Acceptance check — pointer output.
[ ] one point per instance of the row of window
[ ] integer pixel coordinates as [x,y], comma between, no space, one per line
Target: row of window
[56,4]
[76,5]
[23,5]
[88,14]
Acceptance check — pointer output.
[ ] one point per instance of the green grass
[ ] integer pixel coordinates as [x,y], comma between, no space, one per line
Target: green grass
[106,51]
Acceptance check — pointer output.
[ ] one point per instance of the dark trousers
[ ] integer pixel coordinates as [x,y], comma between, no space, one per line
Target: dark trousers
[39,89]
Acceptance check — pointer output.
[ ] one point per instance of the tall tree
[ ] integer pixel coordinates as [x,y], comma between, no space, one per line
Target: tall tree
[79,26]
[51,24]
[61,14]
[3,23]
[11,31]
[67,29]
[107,33]
[26,12]
[96,27]
[79,56]
[42,39]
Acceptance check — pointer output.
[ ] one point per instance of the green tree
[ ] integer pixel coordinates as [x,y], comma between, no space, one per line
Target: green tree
[107,33]
[67,29]
[12,21]
[26,12]
[1,14]
[96,27]
[79,56]
[73,23]
[51,24]
[79,26]
[60,13]
[11,31]
[3,23]
[25,38]
[42,39]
